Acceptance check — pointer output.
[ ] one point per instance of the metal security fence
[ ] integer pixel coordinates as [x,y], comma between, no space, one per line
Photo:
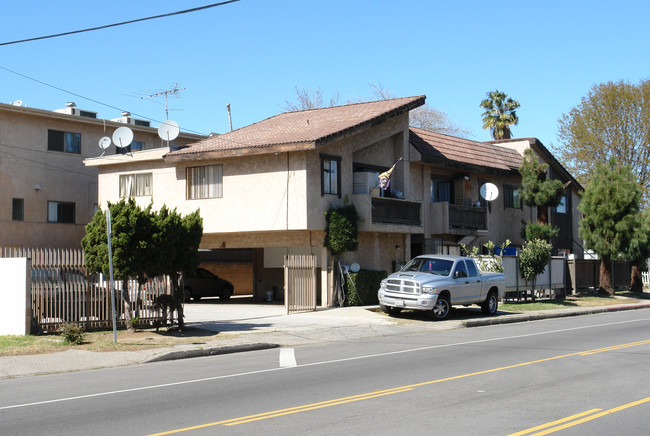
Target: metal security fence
[299,283]
[62,291]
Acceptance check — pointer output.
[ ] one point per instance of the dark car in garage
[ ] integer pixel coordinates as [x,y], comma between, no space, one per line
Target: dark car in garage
[202,283]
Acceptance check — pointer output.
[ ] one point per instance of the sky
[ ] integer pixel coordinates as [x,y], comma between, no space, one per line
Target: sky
[252,54]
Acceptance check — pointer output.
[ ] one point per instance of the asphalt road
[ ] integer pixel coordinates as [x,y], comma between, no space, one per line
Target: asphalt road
[586,375]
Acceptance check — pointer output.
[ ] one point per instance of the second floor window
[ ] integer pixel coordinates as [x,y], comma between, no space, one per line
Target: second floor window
[331,175]
[511,197]
[60,212]
[133,146]
[441,190]
[562,207]
[205,182]
[136,185]
[18,209]
[63,141]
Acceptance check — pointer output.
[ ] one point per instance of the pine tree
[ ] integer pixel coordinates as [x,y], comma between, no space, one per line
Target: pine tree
[610,208]
[540,191]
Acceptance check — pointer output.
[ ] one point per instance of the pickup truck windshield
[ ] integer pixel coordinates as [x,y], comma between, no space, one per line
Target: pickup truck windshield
[435,266]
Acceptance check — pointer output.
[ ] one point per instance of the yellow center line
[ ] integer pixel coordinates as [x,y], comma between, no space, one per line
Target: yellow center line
[314,407]
[589,418]
[551,424]
[615,347]
[376,394]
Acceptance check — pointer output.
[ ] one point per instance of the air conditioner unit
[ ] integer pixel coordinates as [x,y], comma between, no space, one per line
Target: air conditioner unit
[75,111]
[130,120]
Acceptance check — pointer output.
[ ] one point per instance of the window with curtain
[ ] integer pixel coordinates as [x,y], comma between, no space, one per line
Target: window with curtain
[205,182]
[60,212]
[136,185]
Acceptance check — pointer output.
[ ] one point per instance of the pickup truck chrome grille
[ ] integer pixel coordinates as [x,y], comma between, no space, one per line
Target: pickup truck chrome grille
[403,286]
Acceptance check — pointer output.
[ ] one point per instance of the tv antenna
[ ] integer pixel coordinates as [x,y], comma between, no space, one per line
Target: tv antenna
[173,92]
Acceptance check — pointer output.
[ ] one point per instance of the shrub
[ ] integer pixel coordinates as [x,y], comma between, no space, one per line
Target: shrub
[362,287]
[72,334]
[341,233]
[491,263]
[533,258]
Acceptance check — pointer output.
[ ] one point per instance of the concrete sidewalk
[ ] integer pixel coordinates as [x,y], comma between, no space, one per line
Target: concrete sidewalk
[262,326]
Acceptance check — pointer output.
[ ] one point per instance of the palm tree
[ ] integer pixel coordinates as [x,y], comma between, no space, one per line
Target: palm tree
[499,114]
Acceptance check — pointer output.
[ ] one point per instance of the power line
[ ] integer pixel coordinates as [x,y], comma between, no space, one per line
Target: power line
[186,11]
[88,98]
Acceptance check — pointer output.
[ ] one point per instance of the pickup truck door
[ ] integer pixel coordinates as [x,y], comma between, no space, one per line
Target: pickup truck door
[475,288]
[462,290]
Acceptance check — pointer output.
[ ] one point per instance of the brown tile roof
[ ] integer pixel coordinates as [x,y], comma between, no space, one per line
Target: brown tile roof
[437,148]
[300,130]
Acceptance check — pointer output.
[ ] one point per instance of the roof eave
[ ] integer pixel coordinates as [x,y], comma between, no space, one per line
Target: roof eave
[238,152]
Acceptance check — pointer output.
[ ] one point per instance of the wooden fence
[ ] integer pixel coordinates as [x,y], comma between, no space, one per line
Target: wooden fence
[585,274]
[62,291]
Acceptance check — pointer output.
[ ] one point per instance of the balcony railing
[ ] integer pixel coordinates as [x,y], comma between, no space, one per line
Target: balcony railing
[395,211]
[467,217]
[458,220]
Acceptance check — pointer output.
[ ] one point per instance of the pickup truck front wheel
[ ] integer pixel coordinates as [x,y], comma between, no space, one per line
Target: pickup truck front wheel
[490,305]
[442,308]
[393,311]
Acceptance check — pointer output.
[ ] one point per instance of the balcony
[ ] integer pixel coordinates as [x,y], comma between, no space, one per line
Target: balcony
[454,219]
[395,211]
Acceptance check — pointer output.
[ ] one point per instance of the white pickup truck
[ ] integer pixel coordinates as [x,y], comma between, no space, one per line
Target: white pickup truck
[434,283]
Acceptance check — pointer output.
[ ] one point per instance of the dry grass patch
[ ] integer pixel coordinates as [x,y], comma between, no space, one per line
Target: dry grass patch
[103,341]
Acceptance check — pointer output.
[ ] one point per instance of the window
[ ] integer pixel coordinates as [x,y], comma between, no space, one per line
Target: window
[562,207]
[471,268]
[205,182]
[331,175]
[18,209]
[60,212]
[511,197]
[136,185]
[63,141]
[461,270]
[441,190]
[133,146]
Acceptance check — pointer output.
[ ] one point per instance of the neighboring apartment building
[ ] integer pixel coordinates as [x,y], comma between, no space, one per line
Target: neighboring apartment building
[47,194]
[264,189]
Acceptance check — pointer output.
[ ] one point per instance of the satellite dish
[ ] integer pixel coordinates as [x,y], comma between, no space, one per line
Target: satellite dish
[122,137]
[17,103]
[168,130]
[104,142]
[489,191]
[355,267]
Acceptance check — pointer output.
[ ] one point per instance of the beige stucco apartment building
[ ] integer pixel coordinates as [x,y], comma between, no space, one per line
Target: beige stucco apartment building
[47,194]
[264,189]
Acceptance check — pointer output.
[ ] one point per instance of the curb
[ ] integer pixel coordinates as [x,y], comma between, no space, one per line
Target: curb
[213,351]
[537,316]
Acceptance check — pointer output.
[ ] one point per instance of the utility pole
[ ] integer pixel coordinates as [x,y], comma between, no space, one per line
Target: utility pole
[166,93]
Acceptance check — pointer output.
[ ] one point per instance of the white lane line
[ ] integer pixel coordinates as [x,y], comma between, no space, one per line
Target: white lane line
[287,358]
[325,362]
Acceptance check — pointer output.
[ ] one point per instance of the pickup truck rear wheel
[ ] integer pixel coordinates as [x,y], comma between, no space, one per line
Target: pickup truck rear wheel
[490,305]
[390,309]
[442,308]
